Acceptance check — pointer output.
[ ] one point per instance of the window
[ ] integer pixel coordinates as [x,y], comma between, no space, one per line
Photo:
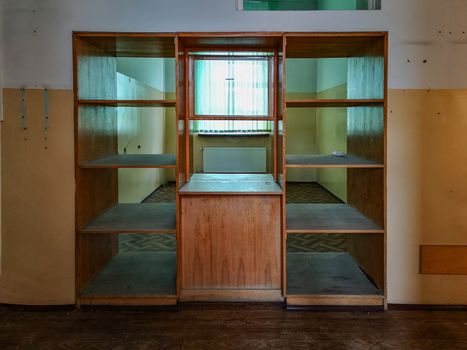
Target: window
[308,5]
[232,84]
[232,127]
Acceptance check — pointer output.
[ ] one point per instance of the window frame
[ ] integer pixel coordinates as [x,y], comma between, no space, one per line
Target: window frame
[373,5]
[270,59]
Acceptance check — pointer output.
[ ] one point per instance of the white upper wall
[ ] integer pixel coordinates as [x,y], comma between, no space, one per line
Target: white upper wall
[37,50]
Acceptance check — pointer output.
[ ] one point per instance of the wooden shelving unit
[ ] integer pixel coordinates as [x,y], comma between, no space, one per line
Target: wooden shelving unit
[135,218]
[231,229]
[231,184]
[323,103]
[107,273]
[128,103]
[358,105]
[327,218]
[328,161]
[133,161]
[230,223]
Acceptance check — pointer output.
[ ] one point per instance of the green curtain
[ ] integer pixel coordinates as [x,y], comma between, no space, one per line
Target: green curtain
[224,87]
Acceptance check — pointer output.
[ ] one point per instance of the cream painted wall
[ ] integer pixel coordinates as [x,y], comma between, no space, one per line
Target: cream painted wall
[140,131]
[301,123]
[301,139]
[1,221]
[156,78]
[331,123]
[427,190]
[38,189]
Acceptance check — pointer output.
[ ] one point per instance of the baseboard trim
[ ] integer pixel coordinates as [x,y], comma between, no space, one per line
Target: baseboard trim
[426,307]
[37,308]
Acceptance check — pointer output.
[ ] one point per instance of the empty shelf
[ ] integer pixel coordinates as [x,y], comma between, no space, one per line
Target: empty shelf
[231,183]
[319,103]
[128,103]
[135,274]
[326,274]
[327,218]
[328,161]
[133,161]
[136,218]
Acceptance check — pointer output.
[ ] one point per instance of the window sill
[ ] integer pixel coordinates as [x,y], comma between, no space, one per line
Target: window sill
[229,134]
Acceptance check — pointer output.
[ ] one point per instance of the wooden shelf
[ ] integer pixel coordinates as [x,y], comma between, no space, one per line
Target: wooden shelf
[231,117]
[327,275]
[328,161]
[128,103]
[132,44]
[133,161]
[325,45]
[231,184]
[134,274]
[327,218]
[320,103]
[134,218]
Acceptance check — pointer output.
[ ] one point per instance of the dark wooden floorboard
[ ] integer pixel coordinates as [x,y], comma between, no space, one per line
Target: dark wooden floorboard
[232,327]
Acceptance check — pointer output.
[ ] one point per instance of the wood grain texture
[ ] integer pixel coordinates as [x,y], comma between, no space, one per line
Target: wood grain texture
[231,242]
[443,259]
[234,295]
[132,44]
[94,251]
[327,103]
[325,45]
[96,72]
[368,251]
[95,137]
[327,273]
[150,300]
[128,103]
[321,218]
[335,300]
[365,133]
[327,161]
[365,192]
[231,41]
[239,326]
[135,218]
[135,274]
[97,191]
[365,126]
[97,133]
[133,161]
[231,184]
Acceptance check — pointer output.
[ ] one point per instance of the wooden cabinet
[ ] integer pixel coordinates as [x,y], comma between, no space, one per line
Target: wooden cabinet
[231,247]
[310,230]
[121,157]
[342,96]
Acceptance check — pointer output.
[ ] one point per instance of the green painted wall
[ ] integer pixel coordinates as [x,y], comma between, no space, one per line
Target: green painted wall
[331,123]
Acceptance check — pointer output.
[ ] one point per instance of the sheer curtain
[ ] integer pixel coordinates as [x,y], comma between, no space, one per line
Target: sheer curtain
[231,88]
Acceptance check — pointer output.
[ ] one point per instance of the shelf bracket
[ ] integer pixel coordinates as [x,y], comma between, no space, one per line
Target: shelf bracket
[46,109]
[23,109]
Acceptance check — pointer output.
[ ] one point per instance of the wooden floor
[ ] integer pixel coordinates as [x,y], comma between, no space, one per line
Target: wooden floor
[232,327]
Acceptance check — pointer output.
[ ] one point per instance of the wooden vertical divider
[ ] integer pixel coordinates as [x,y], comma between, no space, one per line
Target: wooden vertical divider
[182,176]
[281,119]
[181,113]
[95,137]
[366,128]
